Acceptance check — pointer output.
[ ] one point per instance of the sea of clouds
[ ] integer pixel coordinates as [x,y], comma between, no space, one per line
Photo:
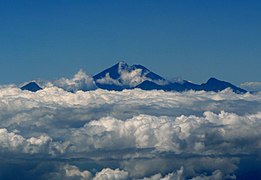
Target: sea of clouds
[131,134]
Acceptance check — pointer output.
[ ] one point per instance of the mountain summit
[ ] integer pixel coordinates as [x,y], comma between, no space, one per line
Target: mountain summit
[122,76]
[31,86]
[216,85]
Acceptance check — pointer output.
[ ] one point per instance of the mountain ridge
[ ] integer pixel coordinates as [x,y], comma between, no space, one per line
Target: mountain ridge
[122,76]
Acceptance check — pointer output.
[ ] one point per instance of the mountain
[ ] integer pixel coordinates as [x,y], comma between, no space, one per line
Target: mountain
[149,85]
[122,76]
[32,86]
[181,86]
[216,85]
[211,85]
[115,71]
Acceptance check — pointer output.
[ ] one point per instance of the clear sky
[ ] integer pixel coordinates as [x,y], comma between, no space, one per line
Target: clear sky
[194,39]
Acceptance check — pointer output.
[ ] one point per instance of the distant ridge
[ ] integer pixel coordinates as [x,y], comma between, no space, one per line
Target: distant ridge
[122,76]
[153,81]
[216,85]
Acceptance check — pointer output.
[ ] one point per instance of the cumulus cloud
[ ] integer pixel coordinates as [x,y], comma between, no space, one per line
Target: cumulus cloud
[251,86]
[108,80]
[175,175]
[80,81]
[12,142]
[67,171]
[109,174]
[225,133]
[133,78]
[127,78]
[132,134]
[168,163]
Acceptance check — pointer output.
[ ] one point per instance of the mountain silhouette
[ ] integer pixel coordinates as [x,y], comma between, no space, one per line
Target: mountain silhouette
[32,86]
[122,76]
[153,81]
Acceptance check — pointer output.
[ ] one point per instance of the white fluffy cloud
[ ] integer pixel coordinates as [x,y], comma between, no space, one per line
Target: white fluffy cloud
[12,142]
[126,78]
[67,171]
[80,81]
[174,175]
[109,174]
[129,134]
[210,134]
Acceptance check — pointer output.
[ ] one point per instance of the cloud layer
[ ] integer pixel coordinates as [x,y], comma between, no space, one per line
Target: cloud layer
[132,134]
[251,86]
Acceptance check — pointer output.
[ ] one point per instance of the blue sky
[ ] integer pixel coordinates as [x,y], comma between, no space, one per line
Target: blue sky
[196,40]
